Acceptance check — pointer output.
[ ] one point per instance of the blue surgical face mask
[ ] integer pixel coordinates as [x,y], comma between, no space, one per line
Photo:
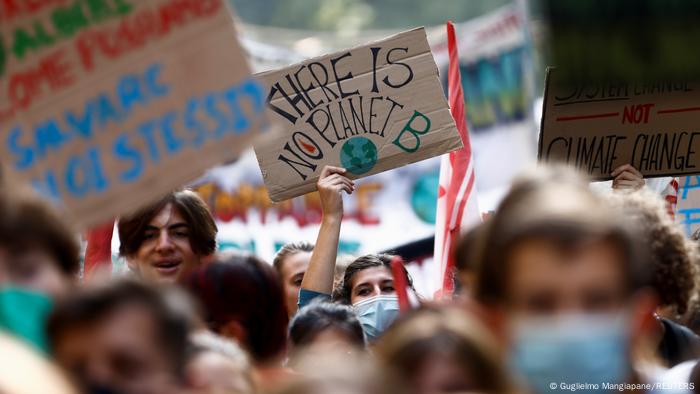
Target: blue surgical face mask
[376,314]
[23,313]
[572,349]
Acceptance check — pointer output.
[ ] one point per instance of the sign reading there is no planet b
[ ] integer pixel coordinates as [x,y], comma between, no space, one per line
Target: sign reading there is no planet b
[367,109]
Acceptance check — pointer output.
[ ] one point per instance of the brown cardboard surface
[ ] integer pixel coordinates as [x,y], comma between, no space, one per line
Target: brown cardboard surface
[129,99]
[383,97]
[655,126]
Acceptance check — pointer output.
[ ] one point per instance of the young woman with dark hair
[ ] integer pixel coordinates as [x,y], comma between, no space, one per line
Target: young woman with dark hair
[242,299]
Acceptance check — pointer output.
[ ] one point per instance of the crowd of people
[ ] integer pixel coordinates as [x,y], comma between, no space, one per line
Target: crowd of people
[562,289]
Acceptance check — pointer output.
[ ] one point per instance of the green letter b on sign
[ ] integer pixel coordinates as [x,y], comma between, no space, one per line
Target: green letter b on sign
[416,133]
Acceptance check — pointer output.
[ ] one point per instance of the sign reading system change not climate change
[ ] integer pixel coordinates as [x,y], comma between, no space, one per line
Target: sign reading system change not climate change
[368,109]
[654,126]
[106,105]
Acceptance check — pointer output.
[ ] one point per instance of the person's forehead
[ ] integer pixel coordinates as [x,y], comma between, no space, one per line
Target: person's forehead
[372,275]
[167,216]
[540,261]
[296,263]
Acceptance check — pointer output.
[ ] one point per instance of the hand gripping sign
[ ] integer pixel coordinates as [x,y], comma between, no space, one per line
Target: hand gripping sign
[105,105]
[368,109]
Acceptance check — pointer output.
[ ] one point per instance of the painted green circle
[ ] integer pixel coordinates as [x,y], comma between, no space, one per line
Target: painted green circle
[358,155]
[424,196]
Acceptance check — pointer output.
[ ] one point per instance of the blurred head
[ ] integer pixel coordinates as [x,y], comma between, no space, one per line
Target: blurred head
[218,365]
[167,240]
[341,374]
[24,371]
[38,251]
[122,337]
[555,247]
[467,255]
[242,299]
[567,277]
[443,350]
[291,262]
[673,256]
[325,326]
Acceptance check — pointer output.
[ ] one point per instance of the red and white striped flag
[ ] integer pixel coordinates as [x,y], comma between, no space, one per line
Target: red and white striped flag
[457,207]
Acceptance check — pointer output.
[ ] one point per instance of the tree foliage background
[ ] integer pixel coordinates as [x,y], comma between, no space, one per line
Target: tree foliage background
[338,15]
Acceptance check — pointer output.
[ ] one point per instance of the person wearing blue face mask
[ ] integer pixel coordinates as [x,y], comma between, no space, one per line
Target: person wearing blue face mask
[566,282]
[39,262]
[368,283]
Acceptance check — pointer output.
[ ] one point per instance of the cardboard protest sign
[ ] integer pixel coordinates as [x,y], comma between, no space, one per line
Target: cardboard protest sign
[688,208]
[107,104]
[368,109]
[653,126]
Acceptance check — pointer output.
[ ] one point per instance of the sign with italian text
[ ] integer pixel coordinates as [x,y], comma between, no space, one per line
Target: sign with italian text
[105,105]
[367,109]
[654,126]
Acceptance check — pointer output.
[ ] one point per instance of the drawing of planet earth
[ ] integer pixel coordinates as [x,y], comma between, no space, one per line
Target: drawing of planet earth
[358,155]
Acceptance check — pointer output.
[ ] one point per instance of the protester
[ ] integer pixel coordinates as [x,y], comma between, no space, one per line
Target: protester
[325,327]
[23,371]
[291,262]
[342,374]
[566,282]
[443,350]
[166,240]
[243,300]
[121,338]
[39,264]
[367,284]
[38,251]
[218,365]
[674,262]
[467,257]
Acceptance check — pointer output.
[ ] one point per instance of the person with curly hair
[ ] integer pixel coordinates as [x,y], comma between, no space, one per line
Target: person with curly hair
[674,259]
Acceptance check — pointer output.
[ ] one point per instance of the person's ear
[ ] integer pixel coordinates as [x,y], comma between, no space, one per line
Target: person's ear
[234,330]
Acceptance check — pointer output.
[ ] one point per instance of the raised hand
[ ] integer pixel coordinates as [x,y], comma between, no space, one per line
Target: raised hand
[331,183]
[626,177]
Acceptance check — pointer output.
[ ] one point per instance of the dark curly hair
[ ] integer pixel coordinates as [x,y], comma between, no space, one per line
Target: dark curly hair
[673,256]
[342,294]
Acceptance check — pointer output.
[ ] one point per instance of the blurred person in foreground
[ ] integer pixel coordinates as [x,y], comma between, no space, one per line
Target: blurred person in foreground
[566,282]
[242,299]
[325,327]
[444,350]
[39,263]
[121,337]
[291,262]
[218,365]
[342,374]
[23,371]
[674,261]
[166,240]
[367,284]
